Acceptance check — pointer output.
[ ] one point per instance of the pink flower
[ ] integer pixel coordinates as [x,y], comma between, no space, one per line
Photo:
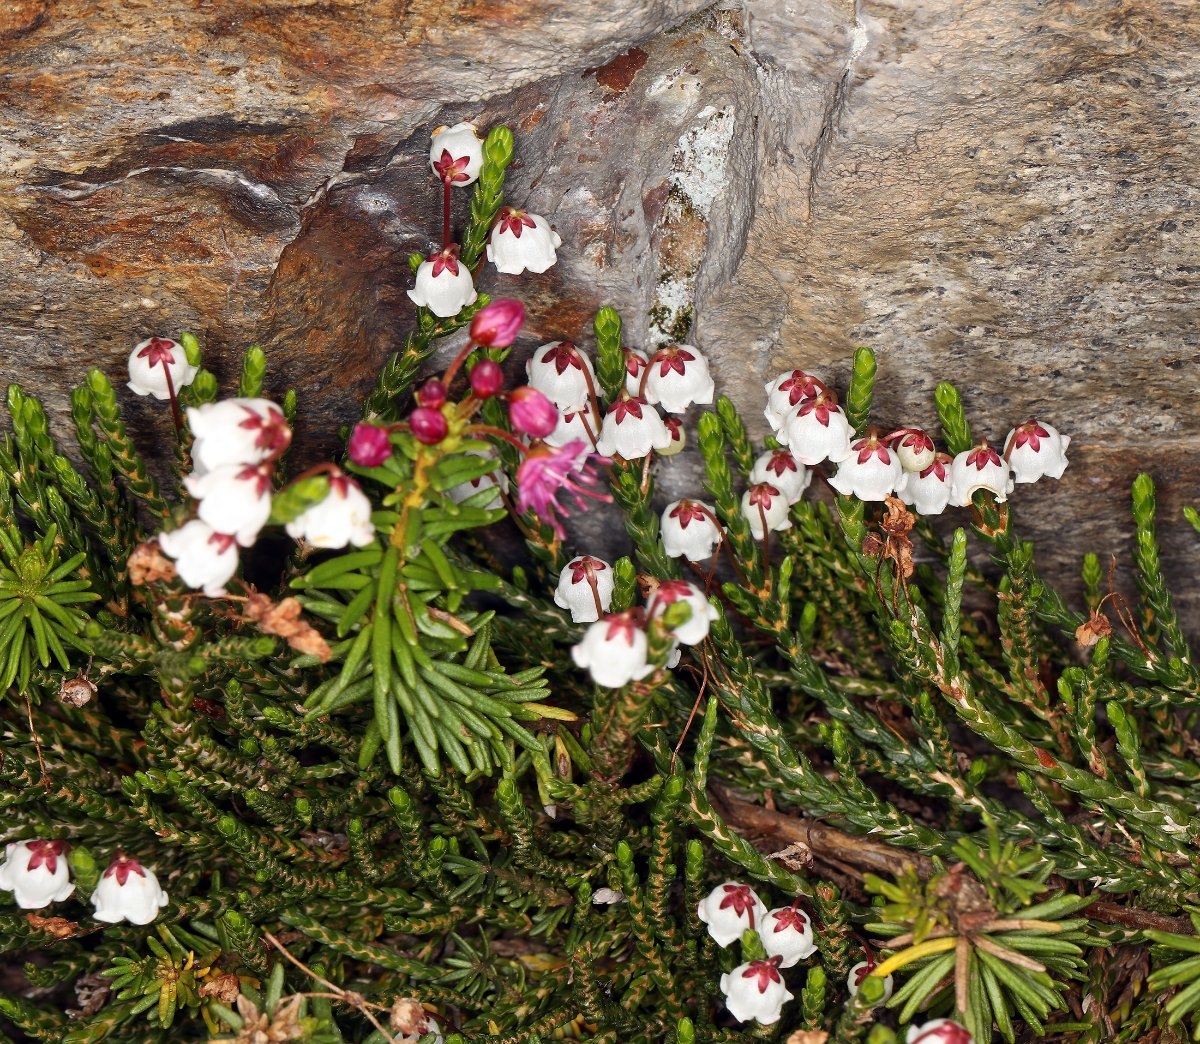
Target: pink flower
[531,413]
[547,473]
[496,325]
[370,445]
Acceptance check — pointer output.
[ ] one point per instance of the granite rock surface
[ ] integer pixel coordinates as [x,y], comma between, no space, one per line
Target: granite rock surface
[1000,194]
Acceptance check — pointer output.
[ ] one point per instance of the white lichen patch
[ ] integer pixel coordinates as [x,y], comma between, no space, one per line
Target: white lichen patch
[698,177]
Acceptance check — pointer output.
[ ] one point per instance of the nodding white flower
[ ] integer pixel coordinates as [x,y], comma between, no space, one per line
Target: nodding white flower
[585,587]
[343,517]
[914,447]
[817,430]
[678,378]
[928,490]
[859,972]
[1034,449]
[456,154]
[766,509]
[409,1018]
[443,284]
[522,242]
[938,1031]
[695,629]
[786,392]
[582,424]
[678,437]
[871,472]
[979,468]
[631,429]
[236,431]
[496,481]
[787,933]
[783,471]
[36,873]
[635,368]
[203,557]
[613,649]
[236,497]
[689,528]
[729,909]
[562,373]
[755,991]
[128,892]
[157,365]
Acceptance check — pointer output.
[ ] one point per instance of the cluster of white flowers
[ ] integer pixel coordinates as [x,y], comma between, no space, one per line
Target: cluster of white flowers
[615,648]
[673,378]
[237,443]
[37,873]
[807,419]
[519,241]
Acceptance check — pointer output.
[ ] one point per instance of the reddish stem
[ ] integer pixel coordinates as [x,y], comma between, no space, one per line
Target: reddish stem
[459,359]
[497,433]
[175,414]
[445,213]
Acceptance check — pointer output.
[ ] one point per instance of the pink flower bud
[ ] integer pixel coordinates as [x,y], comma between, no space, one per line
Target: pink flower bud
[432,395]
[486,378]
[428,425]
[496,325]
[370,445]
[531,413]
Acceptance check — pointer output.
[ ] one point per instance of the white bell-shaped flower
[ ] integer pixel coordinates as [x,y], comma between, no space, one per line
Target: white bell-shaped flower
[928,490]
[585,587]
[783,471]
[562,373]
[493,480]
[729,909]
[755,991]
[871,472]
[979,468]
[204,558]
[914,447]
[128,892]
[582,424]
[817,430]
[155,359]
[613,650]
[235,497]
[859,972]
[236,431]
[679,378]
[787,933]
[678,437]
[343,517]
[766,509]
[695,629]
[689,528]
[443,284]
[1034,450]
[36,873]
[635,369]
[456,154]
[522,242]
[631,429]
[938,1031]
[786,392]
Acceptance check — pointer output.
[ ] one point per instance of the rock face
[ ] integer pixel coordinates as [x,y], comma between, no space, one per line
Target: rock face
[998,193]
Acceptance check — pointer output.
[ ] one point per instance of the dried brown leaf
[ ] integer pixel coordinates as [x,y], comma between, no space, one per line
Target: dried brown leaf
[284,620]
[148,564]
